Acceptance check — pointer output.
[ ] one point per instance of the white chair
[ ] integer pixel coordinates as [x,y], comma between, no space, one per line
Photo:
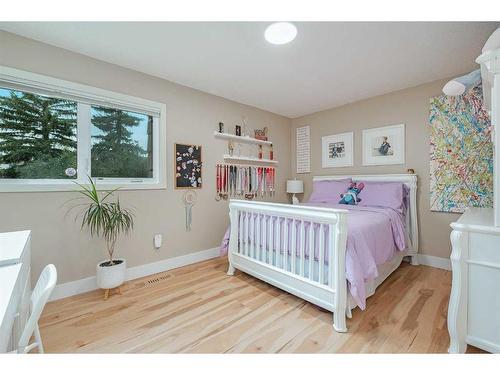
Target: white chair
[44,286]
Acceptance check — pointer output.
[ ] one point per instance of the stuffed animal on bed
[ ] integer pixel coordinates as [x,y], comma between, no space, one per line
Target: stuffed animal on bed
[351,197]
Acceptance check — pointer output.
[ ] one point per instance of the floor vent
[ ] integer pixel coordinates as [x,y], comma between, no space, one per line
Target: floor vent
[158,279]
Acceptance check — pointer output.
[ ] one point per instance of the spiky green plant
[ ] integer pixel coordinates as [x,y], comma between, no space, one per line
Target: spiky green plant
[103,218]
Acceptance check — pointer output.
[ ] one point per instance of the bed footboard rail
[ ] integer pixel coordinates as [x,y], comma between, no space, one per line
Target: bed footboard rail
[300,249]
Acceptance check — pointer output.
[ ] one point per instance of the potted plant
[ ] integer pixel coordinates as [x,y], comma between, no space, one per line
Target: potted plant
[106,220]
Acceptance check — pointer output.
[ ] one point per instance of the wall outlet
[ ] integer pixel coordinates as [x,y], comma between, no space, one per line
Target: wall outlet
[157,241]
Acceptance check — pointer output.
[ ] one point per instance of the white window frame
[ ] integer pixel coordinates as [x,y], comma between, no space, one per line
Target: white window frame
[86,96]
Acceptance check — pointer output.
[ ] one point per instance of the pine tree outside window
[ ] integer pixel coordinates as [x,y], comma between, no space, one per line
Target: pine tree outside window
[121,143]
[56,132]
[37,136]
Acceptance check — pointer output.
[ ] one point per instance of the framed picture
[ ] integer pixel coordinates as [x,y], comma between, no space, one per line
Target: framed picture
[386,145]
[187,166]
[337,150]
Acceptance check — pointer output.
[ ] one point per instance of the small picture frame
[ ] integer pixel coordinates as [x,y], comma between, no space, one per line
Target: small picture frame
[187,166]
[337,150]
[384,145]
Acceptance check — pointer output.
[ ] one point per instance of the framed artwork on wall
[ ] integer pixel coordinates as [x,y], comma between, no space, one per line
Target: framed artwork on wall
[461,152]
[187,166]
[337,150]
[385,145]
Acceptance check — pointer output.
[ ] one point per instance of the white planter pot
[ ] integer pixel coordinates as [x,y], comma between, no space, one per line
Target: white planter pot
[111,276]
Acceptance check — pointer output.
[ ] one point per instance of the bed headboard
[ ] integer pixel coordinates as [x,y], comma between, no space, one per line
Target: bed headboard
[409,180]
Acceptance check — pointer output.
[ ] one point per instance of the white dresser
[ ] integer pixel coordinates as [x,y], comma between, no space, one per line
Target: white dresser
[15,287]
[474,309]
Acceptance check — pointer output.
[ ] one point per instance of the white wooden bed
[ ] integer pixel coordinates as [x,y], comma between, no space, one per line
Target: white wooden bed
[269,258]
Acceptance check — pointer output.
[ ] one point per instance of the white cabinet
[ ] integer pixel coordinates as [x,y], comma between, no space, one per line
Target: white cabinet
[473,313]
[490,77]
[15,292]
[474,309]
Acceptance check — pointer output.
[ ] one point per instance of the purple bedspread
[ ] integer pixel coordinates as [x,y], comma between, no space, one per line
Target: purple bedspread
[374,234]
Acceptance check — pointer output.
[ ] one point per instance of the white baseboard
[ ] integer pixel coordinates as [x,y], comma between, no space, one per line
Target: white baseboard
[88,284]
[436,262]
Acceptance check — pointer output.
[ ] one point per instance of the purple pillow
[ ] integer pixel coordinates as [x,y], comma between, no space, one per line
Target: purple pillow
[383,194]
[329,191]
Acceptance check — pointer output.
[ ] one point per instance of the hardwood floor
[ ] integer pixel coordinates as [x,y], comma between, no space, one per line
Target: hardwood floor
[198,309]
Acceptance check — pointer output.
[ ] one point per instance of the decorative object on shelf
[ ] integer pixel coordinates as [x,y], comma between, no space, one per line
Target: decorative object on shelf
[246,132]
[461,153]
[235,152]
[189,199]
[238,130]
[384,146]
[260,151]
[230,148]
[244,181]
[107,220]
[295,187]
[271,153]
[337,150]
[261,134]
[410,171]
[188,165]
[221,127]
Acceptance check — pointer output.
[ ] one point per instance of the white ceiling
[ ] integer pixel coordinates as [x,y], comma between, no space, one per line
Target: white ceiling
[327,65]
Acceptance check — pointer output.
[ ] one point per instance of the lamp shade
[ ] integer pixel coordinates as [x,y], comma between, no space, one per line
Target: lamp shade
[457,86]
[295,186]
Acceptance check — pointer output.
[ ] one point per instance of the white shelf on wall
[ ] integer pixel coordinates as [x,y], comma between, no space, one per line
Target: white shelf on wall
[241,139]
[248,159]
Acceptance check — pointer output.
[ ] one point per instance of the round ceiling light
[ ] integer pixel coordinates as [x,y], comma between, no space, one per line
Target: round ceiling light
[280,33]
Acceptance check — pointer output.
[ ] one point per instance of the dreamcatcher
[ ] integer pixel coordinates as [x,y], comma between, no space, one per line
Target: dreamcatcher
[189,199]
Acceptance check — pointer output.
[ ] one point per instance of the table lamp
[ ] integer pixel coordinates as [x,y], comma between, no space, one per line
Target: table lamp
[295,187]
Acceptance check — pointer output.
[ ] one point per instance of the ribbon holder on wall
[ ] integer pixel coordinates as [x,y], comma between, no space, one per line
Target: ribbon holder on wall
[244,181]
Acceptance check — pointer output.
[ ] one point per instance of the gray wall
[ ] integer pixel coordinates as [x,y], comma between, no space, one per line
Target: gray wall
[192,116]
[411,107]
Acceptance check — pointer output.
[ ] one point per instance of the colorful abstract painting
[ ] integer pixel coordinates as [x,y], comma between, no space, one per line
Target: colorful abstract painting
[461,153]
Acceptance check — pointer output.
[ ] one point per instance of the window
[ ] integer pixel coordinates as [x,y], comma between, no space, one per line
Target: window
[121,143]
[37,136]
[54,133]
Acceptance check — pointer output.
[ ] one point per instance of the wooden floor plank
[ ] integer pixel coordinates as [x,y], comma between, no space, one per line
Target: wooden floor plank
[199,309]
